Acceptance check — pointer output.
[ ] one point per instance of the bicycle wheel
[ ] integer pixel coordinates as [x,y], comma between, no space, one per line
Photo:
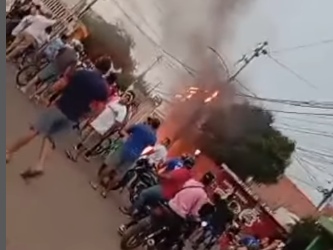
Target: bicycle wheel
[102,148]
[25,74]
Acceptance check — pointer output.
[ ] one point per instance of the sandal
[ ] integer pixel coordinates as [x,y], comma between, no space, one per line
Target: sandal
[94,185]
[70,156]
[86,158]
[126,211]
[30,174]
[104,194]
[8,157]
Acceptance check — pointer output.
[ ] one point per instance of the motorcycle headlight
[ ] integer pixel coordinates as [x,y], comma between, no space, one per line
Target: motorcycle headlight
[204,224]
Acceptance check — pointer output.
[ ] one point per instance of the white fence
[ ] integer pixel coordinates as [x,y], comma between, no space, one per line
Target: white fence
[67,16]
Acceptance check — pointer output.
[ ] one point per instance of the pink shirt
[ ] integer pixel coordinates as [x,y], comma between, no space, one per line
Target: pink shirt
[189,200]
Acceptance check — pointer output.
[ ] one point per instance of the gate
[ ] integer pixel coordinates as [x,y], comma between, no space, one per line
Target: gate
[68,17]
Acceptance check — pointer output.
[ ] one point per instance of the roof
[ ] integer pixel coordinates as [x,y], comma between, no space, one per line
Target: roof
[285,194]
[328,211]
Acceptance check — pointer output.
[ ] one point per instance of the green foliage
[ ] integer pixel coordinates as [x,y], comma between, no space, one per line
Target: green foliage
[302,234]
[244,139]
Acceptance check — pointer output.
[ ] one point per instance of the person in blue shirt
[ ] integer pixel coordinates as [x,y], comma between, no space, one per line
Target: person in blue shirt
[174,163]
[250,242]
[84,91]
[177,163]
[138,137]
[55,46]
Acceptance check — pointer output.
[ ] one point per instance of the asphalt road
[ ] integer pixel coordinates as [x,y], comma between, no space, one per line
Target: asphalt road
[59,211]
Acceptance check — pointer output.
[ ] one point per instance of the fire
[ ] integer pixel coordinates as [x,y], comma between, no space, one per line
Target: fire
[212,97]
[189,96]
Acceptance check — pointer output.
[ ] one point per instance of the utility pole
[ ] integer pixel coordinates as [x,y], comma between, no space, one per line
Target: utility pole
[87,8]
[142,75]
[157,61]
[150,91]
[258,51]
[328,195]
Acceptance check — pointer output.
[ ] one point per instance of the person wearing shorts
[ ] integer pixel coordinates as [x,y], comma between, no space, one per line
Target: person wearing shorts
[85,90]
[66,58]
[111,118]
[139,137]
[33,35]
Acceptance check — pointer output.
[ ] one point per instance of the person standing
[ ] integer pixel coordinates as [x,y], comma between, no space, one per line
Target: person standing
[84,90]
[111,118]
[219,220]
[65,60]
[15,18]
[159,153]
[33,35]
[137,138]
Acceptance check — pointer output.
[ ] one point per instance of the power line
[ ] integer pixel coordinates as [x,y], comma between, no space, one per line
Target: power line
[243,86]
[302,181]
[291,71]
[315,152]
[315,165]
[305,128]
[305,132]
[308,121]
[220,57]
[304,46]
[304,104]
[143,18]
[306,169]
[329,115]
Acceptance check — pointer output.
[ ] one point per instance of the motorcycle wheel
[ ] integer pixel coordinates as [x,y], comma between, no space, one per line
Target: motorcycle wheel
[135,236]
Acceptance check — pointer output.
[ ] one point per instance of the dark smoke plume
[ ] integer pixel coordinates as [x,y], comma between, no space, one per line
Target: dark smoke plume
[190,27]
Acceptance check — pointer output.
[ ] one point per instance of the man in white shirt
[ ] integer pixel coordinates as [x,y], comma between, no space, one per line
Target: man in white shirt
[31,31]
[110,118]
[159,153]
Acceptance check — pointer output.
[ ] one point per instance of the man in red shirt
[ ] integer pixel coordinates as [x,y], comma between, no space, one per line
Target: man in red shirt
[170,184]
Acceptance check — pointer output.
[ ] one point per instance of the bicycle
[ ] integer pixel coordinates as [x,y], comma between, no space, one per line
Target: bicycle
[28,72]
[104,148]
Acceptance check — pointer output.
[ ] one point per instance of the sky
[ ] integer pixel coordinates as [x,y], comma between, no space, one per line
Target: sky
[284,24]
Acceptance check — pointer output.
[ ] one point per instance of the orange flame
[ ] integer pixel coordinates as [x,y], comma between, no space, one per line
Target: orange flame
[213,96]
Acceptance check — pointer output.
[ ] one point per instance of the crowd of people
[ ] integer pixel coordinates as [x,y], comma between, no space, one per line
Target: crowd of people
[78,96]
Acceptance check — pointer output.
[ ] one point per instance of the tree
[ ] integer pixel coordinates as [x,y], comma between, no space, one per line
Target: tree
[302,234]
[110,39]
[243,137]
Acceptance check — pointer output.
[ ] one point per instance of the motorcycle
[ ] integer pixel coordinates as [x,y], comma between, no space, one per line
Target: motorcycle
[138,178]
[149,233]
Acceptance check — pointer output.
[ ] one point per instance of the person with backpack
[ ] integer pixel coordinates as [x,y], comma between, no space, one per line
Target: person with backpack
[170,184]
[185,208]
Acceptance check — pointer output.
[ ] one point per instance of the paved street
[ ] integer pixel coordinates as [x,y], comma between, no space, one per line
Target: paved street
[59,211]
